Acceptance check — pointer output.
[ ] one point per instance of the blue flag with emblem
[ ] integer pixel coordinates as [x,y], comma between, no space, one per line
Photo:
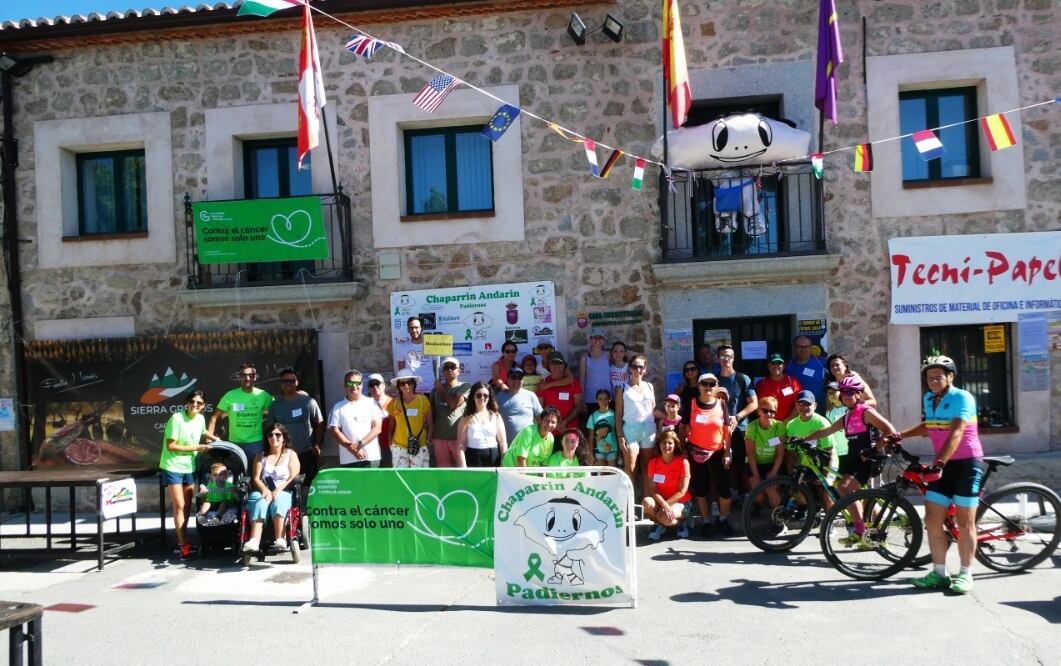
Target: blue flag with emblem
[502,120]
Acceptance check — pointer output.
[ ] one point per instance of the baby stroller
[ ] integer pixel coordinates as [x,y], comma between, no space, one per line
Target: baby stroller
[294,528]
[223,531]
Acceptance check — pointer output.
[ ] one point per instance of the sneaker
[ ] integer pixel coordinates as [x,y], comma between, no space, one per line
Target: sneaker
[724,527]
[961,583]
[656,534]
[186,551]
[280,544]
[683,531]
[851,539]
[251,546]
[932,580]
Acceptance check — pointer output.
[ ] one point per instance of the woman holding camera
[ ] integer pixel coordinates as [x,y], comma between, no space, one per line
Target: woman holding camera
[410,423]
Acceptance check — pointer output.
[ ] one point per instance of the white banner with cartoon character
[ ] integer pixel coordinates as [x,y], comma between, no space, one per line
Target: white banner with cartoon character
[564,540]
[480,319]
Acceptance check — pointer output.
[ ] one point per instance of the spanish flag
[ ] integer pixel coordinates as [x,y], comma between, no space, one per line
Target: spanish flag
[998,132]
[675,72]
[863,157]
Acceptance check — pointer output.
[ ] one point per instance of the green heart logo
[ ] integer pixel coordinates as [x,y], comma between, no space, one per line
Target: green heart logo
[450,518]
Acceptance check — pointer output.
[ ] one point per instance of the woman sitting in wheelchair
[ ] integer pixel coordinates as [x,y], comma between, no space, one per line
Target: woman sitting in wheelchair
[272,472]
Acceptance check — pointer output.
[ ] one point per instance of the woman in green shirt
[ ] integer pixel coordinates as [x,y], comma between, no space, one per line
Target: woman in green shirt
[764,444]
[180,443]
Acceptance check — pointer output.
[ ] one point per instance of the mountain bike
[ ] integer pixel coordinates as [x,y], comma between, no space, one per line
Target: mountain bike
[1017,525]
[781,511]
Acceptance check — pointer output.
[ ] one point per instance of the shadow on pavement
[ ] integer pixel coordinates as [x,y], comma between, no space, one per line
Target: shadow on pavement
[415,608]
[709,558]
[788,595]
[1048,610]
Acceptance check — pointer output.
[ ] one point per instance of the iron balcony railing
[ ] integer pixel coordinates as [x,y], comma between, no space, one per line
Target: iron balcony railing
[338,267]
[742,213]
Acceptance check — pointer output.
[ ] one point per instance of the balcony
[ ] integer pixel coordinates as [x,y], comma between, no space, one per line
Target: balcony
[758,217]
[318,280]
[338,267]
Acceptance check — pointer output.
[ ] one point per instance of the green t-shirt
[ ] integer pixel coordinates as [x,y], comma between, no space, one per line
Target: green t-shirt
[797,427]
[216,492]
[558,460]
[187,432]
[837,438]
[245,412]
[766,440]
[530,445]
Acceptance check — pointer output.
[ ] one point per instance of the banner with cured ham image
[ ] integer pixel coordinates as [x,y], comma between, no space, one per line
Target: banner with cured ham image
[105,402]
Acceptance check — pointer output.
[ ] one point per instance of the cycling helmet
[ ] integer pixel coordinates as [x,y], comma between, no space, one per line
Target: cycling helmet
[851,384]
[939,361]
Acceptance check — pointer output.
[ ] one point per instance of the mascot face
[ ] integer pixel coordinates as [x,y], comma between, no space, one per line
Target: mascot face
[562,525]
[739,140]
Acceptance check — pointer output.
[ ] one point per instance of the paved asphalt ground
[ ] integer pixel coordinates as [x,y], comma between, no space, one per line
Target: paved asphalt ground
[699,601]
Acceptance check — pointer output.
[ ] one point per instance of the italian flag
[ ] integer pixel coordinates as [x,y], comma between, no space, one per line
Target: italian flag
[266,7]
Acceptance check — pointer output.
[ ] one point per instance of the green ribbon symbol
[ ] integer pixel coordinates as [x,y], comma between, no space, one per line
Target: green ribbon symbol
[467,334]
[534,570]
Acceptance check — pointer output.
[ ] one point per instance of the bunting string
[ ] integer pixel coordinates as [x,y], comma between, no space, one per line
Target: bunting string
[641,160]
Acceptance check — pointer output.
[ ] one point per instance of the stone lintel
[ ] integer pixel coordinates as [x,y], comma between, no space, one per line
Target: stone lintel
[288,294]
[729,272]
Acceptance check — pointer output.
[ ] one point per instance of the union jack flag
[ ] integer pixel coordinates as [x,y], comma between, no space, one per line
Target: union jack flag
[435,92]
[366,46]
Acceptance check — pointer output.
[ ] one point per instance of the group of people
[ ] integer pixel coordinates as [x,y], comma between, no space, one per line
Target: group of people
[716,436]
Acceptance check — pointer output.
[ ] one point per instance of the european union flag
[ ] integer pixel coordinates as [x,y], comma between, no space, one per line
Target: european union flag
[501,121]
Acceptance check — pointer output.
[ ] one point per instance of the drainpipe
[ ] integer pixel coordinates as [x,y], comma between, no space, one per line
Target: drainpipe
[12,67]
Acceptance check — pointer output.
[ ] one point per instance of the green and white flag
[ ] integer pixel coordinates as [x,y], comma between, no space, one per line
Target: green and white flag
[266,7]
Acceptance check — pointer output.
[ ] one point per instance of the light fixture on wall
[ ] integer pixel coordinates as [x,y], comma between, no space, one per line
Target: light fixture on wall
[578,31]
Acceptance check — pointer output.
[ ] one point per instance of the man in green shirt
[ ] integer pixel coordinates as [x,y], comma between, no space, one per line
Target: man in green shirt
[534,444]
[246,408]
[808,422]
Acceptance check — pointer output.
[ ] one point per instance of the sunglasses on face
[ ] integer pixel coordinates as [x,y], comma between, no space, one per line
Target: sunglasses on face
[449,367]
[482,396]
[725,358]
[637,367]
[249,375]
[691,369]
[374,384]
[709,384]
[353,384]
[288,381]
[771,412]
[276,435]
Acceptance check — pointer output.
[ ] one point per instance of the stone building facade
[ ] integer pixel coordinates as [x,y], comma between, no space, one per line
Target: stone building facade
[189,87]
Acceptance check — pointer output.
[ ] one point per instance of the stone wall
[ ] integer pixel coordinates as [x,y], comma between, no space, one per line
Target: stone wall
[597,239]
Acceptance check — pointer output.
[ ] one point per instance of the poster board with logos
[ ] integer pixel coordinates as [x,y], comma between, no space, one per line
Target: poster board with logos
[105,402]
[480,319]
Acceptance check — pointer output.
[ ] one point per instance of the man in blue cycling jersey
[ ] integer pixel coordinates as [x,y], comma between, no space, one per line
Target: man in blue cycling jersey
[951,423]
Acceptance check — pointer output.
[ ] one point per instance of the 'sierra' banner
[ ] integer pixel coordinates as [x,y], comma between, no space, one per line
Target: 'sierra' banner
[563,541]
[974,279]
[402,516]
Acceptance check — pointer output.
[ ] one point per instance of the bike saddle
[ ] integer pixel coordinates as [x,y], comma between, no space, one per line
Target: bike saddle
[995,461]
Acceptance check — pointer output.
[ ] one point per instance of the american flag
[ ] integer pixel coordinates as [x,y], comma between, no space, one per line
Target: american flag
[435,92]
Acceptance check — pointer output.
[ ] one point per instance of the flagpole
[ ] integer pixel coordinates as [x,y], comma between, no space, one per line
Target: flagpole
[328,147]
[664,191]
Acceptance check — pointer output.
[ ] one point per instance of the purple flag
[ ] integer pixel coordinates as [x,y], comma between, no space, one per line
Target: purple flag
[830,55]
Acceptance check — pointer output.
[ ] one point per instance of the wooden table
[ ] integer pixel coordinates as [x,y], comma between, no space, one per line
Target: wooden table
[14,617]
[70,479]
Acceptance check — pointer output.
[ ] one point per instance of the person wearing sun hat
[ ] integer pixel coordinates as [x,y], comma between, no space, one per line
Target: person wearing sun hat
[779,386]
[410,422]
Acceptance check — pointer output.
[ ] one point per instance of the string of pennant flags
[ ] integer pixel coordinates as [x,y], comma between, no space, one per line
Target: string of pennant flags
[996,127]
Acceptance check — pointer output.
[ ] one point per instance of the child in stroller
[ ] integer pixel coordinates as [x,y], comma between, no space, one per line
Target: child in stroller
[218,495]
[222,473]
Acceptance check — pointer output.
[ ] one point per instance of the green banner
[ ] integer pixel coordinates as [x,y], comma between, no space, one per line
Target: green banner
[258,230]
[403,516]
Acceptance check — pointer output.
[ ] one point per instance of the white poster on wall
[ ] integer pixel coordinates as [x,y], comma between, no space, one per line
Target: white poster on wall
[563,541]
[118,498]
[974,279]
[480,319]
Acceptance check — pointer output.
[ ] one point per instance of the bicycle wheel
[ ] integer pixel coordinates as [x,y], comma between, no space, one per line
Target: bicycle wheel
[778,514]
[1017,526]
[890,539]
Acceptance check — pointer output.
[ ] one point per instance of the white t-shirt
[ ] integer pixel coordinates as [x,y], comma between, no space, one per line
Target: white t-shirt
[354,419]
[412,354]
